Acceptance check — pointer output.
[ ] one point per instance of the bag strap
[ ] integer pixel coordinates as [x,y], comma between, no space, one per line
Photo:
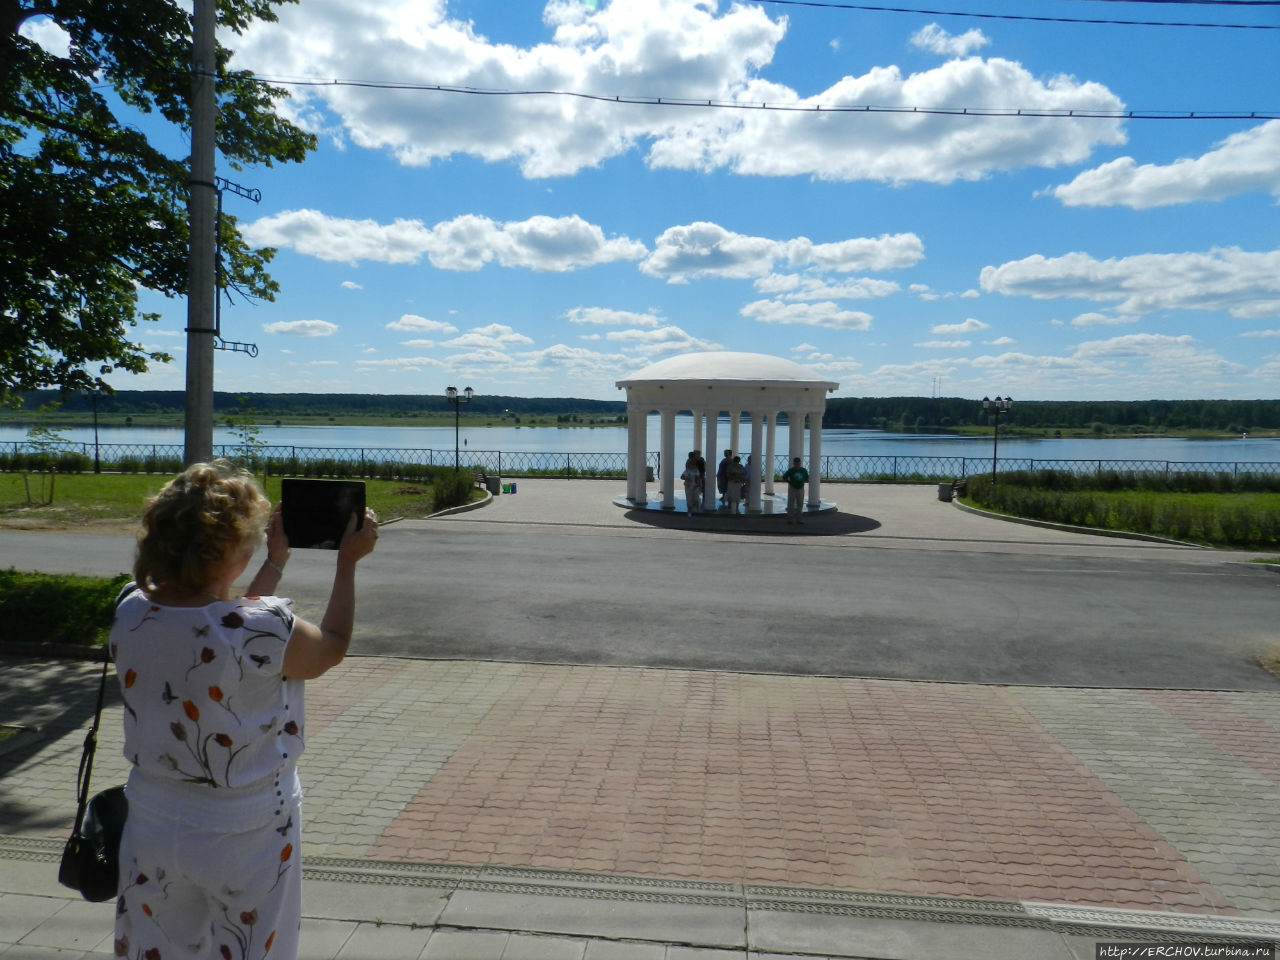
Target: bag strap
[91,738]
[90,748]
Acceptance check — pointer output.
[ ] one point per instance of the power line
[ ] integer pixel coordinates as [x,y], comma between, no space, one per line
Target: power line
[705,103]
[1207,3]
[826,4]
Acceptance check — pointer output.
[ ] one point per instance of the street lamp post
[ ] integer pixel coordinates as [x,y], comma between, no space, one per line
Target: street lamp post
[997,406]
[457,399]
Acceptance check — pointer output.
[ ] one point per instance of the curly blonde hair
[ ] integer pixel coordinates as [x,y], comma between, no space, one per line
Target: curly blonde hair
[202,520]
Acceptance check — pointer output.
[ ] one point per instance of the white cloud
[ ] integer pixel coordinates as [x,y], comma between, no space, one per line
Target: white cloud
[46,32]
[671,48]
[468,242]
[1243,283]
[936,40]
[413,322]
[929,295]
[1169,356]
[669,339]
[968,326]
[350,285]
[944,344]
[1245,161]
[792,287]
[613,318]
[897,147]
[415,344]
[408,364]
[709,250]
[495,336]
[1261,333]
[302,328]
[1000,341]
[1100,319]
[823,314]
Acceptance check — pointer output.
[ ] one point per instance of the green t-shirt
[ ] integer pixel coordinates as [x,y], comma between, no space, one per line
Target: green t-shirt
[796,477]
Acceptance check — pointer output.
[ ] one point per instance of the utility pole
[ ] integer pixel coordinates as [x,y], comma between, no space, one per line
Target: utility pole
[201,200]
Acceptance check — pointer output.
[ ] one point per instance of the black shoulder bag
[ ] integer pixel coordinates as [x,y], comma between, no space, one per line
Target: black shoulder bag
[91,857]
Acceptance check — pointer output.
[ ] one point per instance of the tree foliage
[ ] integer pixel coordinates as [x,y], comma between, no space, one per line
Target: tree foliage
[1145,416]
[91,209]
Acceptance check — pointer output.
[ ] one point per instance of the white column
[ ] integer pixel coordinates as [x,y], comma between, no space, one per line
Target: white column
[633,468]
[668,466]
[639,421]
[815,458]
[712,456]
[734,417]
[753,480]
[795,435]
[769,457]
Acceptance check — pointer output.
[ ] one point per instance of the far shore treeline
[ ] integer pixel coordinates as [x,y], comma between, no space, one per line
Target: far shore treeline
[893,413]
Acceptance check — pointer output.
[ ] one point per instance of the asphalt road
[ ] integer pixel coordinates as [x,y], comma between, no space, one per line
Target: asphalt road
[556,594]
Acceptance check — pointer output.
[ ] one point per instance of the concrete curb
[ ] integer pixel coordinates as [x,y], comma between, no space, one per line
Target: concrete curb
[463,508]
[1069,528]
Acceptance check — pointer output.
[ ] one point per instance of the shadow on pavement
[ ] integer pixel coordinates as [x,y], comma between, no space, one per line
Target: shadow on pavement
[831,524]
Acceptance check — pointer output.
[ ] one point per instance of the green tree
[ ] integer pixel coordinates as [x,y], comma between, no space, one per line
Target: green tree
[90,208]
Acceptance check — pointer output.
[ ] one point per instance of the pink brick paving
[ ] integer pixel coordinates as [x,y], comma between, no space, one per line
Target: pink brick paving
[1232,730]
[885,786]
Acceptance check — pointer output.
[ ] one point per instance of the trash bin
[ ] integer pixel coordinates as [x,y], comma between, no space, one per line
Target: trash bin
[493,484]
[648,474]
[513,486]
[506,488]
[944,492]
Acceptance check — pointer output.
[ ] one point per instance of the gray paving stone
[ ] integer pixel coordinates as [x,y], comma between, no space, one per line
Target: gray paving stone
[614,950]
[523,946]
[465,945]
[322,939]
[850,936]
[616,919]
[372,941]
[77,925]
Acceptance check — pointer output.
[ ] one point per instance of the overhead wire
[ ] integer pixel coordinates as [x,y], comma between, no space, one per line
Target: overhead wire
[712,103]
[872,8]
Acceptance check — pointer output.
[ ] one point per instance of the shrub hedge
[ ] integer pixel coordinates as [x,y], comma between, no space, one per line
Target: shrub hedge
[53,608]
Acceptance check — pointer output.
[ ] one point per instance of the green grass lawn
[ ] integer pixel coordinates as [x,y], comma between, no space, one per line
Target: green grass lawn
[85,497]
[1243,520]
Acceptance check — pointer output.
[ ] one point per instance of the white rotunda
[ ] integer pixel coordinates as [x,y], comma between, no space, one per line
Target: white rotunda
[708,385]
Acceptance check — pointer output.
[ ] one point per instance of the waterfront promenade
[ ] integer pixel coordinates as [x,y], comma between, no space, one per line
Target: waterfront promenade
[460,809]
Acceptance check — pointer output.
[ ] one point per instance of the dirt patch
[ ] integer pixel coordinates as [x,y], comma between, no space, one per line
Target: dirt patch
[113,527]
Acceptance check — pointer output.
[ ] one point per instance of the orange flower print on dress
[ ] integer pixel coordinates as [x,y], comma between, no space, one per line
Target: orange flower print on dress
[222,740]
[152,954]
[130,676]
[215,694]
[191,711]
[286,853]
[270,940]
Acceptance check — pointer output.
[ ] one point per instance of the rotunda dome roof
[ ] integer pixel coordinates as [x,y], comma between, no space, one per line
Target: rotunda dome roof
[727,365]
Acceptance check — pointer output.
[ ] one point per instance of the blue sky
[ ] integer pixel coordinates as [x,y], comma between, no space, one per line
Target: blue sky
[551,245]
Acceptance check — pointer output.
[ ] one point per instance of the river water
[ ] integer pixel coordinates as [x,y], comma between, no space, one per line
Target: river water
[841,442]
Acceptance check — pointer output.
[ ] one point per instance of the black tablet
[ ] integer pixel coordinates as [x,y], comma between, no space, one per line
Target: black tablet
[316,511]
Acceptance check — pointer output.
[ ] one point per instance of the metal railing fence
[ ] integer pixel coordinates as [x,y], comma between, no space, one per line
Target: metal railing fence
[159,457]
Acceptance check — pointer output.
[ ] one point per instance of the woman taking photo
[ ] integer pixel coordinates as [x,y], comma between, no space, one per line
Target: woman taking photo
[210,861]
